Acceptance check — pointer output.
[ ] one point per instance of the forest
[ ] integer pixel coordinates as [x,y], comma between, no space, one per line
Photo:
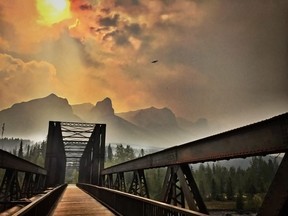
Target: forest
[221,187]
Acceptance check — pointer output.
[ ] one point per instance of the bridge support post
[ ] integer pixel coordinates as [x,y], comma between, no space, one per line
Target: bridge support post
[55,162]
[179,185]
[10,188]
[119,183]
[139,185]
[276,200]
[98,153]
[27,185]
[92,159]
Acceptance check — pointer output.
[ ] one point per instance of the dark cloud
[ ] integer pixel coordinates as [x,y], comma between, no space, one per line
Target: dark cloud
[109,21]
[120,37]
[134,29]
[105,10]
[127,2]
[86,7]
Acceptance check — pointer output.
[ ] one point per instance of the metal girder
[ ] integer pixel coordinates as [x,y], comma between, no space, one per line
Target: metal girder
[92,159]
[119,183]
[275,202]
[138,185]
[179,188]
[28,185]
[190,189]
[172,193]
[109,181]
[9,161]
[78,124]
[10,188]
[265,137]
[55,162]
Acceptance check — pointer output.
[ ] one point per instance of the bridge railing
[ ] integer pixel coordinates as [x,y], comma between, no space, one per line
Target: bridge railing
[131,205]
[179,187]
[44,205]
[12,188]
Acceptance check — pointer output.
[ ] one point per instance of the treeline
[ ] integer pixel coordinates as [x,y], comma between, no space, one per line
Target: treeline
[120,154]
[34,153]
[246,187]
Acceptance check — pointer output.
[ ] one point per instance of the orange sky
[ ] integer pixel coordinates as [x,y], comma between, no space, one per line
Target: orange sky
[222,60]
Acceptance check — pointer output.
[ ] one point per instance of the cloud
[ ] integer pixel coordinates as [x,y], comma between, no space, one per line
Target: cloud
[223,60]
[21,80]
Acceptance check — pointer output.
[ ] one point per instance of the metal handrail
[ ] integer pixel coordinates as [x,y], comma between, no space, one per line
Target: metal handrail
[130,205]
[44,204]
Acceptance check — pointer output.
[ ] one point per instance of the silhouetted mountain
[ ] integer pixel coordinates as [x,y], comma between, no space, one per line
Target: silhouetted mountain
[151,118]
[145,127]
[199,128]
[30,119]
[83,110]
[161,124]
[118,129]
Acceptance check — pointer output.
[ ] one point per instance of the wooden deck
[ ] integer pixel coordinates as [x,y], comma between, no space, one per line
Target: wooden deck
[76,202]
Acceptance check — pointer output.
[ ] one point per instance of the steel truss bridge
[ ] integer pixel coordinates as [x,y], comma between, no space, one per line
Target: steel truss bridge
[83,145]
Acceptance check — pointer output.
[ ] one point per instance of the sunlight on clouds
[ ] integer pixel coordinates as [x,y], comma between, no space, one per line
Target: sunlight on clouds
[16,86]
[53,11]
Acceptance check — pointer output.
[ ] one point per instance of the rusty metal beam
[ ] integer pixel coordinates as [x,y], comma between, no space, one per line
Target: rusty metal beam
[265,137]
[9,161]
[55,162]
[275,202]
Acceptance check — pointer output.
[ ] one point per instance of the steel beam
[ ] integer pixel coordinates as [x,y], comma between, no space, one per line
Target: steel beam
[55,162]
[9,161]
[265,137]
[138,185]
[92,159]
[275,202]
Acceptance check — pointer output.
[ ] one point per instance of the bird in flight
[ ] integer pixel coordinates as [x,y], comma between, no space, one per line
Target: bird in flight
[155,61]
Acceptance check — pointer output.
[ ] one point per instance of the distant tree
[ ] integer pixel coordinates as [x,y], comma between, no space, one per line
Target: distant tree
[213,189]
[142,153]
[129,153]
[27,152]
[123,154]
[202,188]
[20,151]
[109,153]
[119,155]
[240,201]
[229,189]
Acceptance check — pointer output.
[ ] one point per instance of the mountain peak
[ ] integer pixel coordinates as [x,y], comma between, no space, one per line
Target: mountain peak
[103,108]
[52,95]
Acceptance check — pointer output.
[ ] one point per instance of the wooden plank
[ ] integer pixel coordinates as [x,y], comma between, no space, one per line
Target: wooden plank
[76,202]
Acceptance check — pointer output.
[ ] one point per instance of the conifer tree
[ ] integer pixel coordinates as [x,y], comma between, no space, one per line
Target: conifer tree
[20,151]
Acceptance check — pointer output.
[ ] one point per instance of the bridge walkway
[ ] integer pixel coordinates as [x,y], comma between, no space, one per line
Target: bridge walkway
[74,202]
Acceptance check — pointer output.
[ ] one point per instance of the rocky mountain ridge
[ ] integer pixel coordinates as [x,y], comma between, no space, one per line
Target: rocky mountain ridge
[148,127]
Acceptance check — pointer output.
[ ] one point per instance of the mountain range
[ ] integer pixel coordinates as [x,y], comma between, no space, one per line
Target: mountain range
[145,127]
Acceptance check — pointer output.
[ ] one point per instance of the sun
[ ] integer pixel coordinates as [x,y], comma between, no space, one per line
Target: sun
[53,11]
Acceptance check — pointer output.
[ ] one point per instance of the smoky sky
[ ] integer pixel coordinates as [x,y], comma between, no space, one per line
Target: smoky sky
[223,60]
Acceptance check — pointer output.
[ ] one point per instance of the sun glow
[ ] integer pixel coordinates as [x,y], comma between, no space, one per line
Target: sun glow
[53,11]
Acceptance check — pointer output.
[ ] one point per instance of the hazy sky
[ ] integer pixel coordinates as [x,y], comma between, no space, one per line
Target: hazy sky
[225,60]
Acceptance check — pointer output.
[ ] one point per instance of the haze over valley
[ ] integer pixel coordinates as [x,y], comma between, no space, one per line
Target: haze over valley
[149,126]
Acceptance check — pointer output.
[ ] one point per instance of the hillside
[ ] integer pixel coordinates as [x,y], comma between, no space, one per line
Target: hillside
[145,127]
[30,119]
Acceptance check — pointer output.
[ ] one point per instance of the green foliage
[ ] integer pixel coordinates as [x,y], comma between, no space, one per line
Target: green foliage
[121,155]
[20,151]
[240,202]
[109,153]
[217,183]
[36,153]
